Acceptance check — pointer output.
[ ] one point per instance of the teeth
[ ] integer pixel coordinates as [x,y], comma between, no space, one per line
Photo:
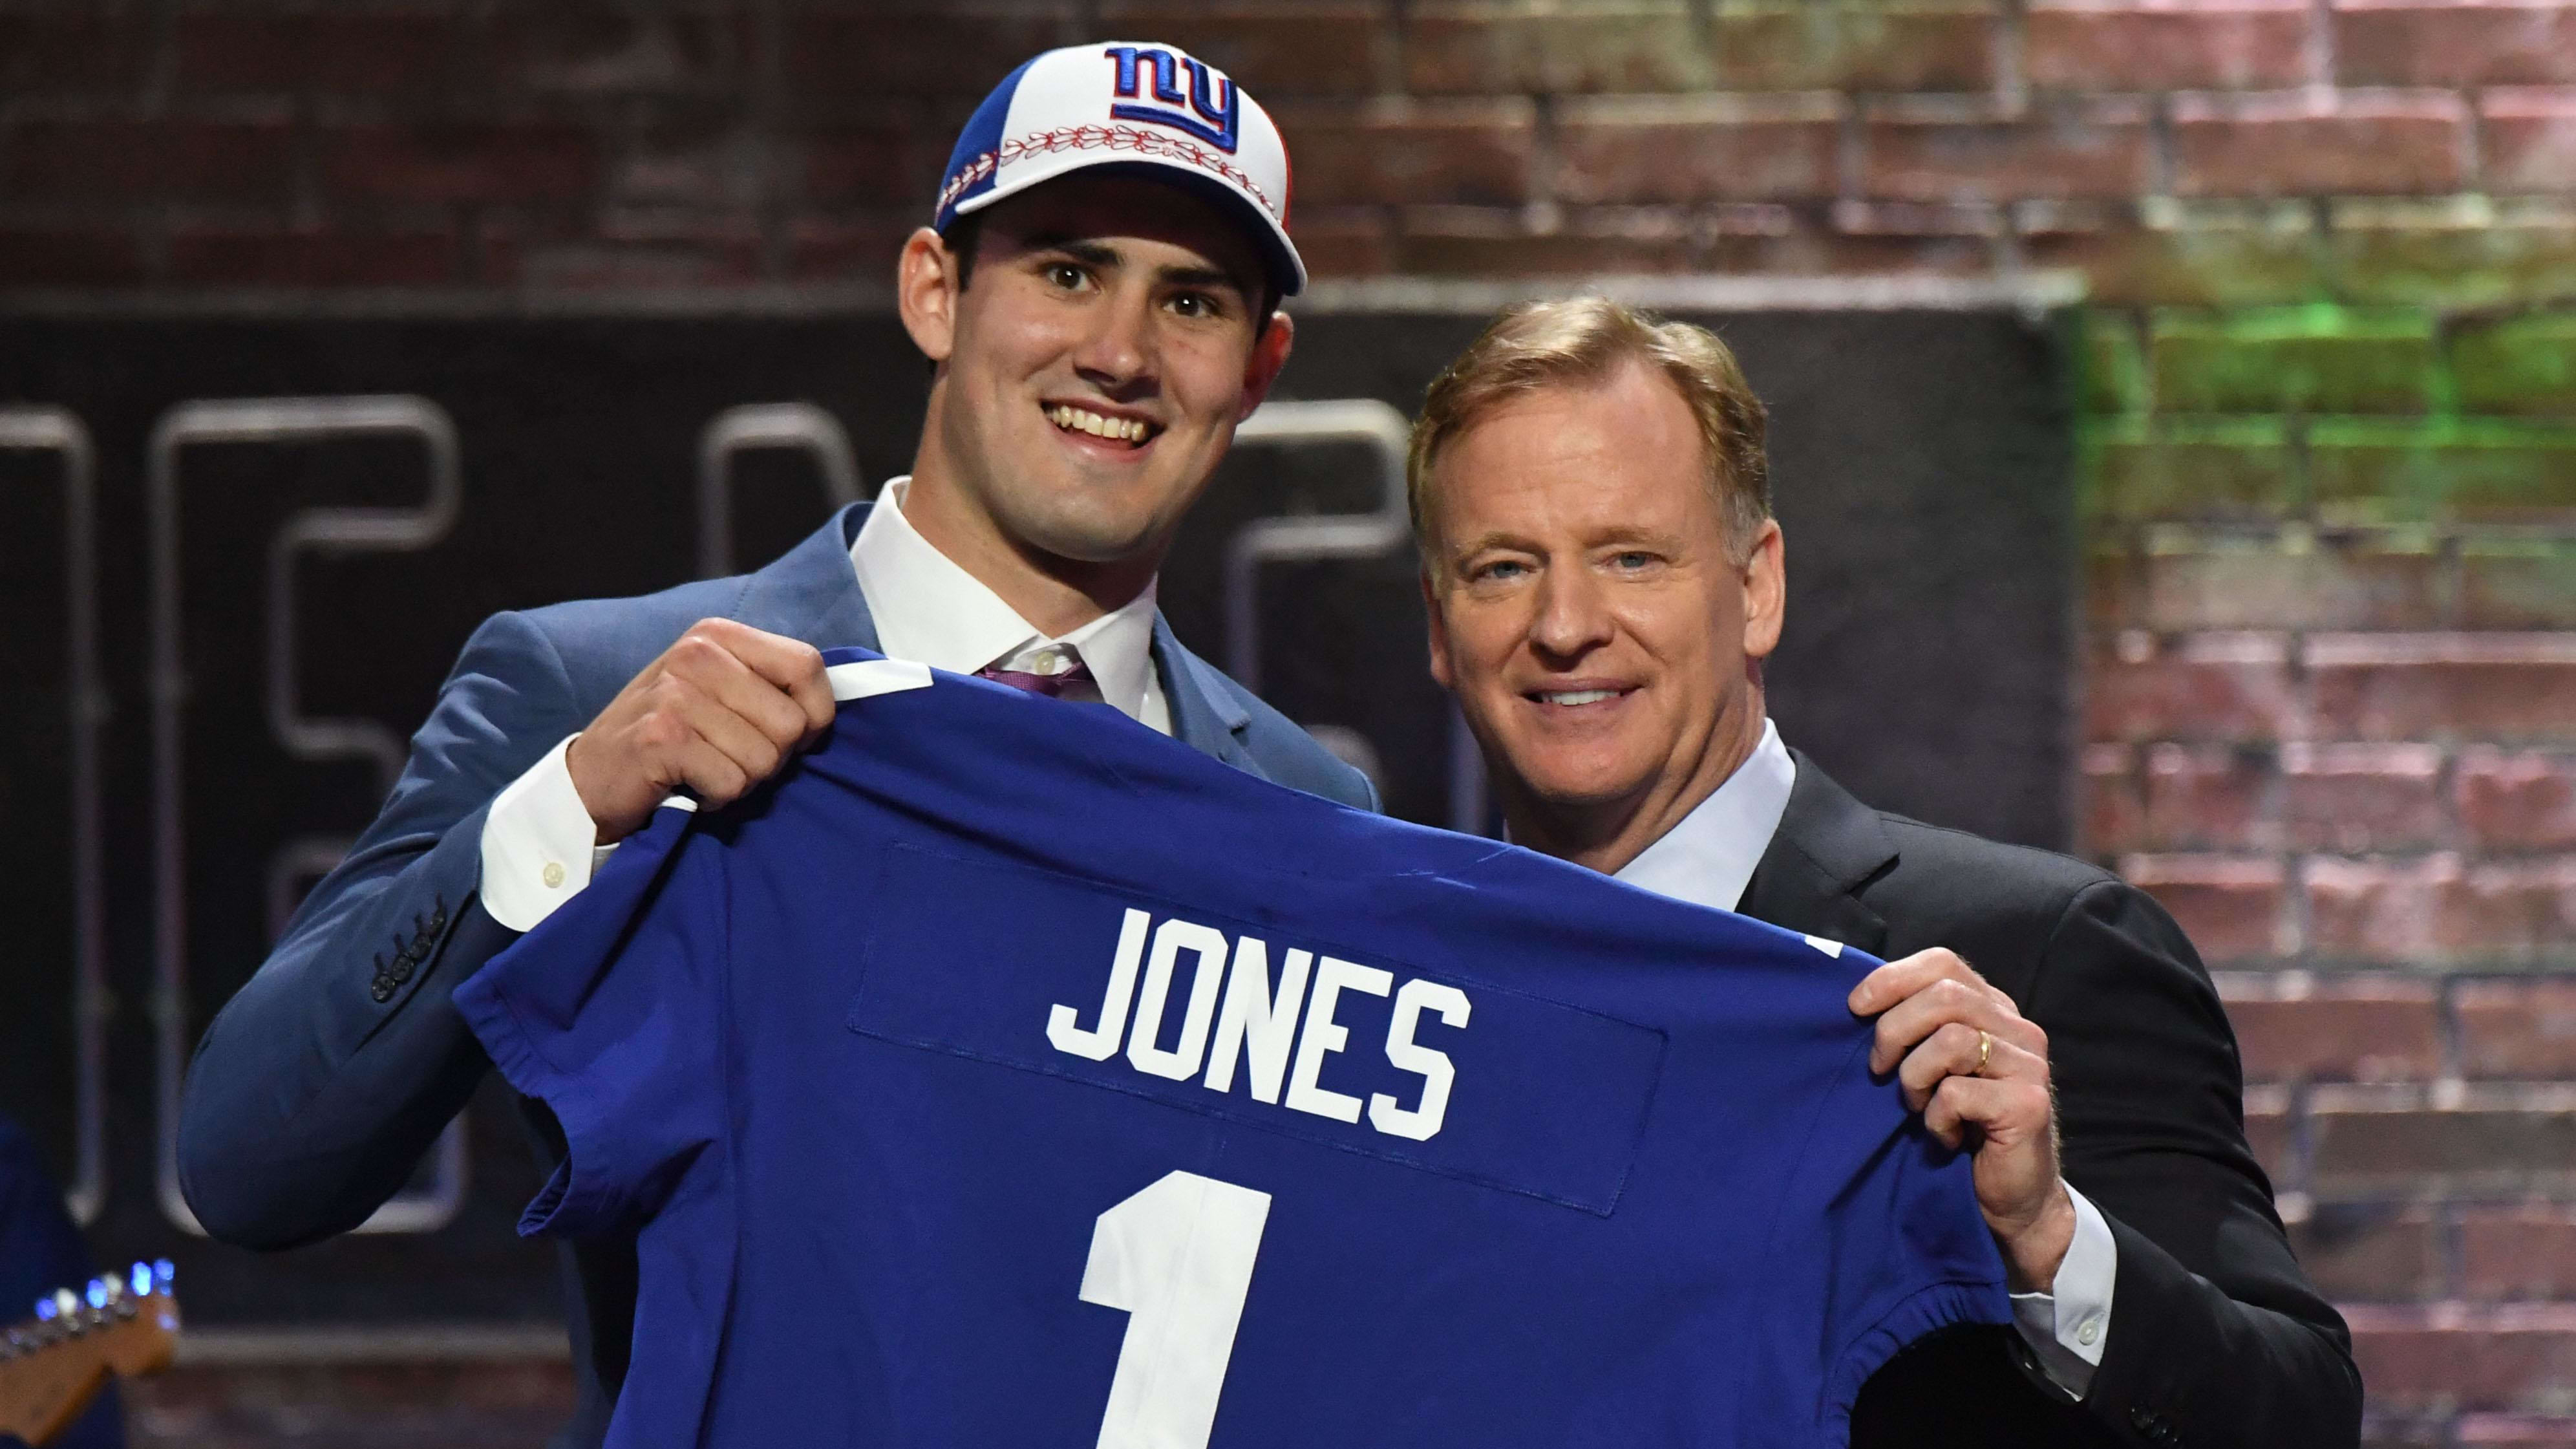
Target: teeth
[1073,419]
[1580,696]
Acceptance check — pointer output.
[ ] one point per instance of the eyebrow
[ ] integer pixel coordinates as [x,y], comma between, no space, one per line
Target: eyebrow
[1108,259]
[1606,538]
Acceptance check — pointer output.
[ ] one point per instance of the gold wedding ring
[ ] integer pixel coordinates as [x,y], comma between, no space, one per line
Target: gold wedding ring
[1985,1046]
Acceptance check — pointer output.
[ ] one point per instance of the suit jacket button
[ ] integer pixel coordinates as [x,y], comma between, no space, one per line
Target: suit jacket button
[383,990]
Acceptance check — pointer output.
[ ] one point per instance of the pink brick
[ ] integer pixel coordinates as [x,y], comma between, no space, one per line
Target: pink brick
[2201,687]
[2209,796]
[2481,1140]
[2225,45]
[1694,150]
[2365,1029]
[2530,139]
[1456,152]
[2472,1355]
[2521,1251]
[2281,146]
[2517,1028]
[2492,687]
[2267,1131]
[2449,43]
[2370,1252]
[2512,1431]
[2113,811]
[2342,587]
[1488,49]
[2230,906]
[2361,797]
[1916,160]
[2438,908]
[2517,799]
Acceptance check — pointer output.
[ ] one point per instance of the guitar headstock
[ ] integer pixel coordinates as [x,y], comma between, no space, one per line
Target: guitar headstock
[53,1364]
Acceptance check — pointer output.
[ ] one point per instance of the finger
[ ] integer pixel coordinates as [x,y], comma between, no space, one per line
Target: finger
[2011,1116]
[1954,1050]
[711,774]
[1906,976]
[751,748]
[1908,1023]
[811,692]
[784,662]
[735,686]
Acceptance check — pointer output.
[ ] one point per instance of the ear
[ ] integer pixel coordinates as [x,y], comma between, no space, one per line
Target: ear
[1766,591]
[1269,354]
[925,293]
[1439,630]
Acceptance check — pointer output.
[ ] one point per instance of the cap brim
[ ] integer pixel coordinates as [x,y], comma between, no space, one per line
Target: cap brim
[1279,255]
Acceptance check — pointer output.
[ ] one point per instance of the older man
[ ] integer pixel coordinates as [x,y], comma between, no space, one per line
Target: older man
[1604,581]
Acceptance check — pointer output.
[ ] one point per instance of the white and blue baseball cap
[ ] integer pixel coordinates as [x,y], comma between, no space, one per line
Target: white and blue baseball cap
[1136,106]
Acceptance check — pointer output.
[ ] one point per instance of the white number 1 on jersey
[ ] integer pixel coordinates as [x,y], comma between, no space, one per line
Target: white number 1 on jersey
[1178,1258]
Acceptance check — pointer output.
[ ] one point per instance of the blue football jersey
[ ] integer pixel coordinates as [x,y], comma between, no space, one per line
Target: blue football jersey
[1009,1074]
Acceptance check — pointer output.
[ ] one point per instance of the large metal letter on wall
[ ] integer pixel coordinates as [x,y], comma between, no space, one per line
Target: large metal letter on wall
[56,431]
[795,426]
[320,532]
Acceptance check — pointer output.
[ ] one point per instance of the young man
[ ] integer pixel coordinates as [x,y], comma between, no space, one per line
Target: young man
[1604,582]
[1096,294]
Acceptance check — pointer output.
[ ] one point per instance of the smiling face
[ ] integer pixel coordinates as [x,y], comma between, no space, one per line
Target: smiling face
[1090,376]
[1601,636]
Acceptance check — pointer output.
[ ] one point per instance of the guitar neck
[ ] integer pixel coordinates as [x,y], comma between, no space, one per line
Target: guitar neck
[51,1369]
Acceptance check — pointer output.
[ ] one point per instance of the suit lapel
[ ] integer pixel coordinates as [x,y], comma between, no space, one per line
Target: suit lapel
[1205,715]
[1828,845]
[811,592]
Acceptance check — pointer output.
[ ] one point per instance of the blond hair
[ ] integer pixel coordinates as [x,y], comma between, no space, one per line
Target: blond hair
[1585,340]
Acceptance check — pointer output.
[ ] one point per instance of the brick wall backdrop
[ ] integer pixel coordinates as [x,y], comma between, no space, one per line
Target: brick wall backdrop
[2330,436]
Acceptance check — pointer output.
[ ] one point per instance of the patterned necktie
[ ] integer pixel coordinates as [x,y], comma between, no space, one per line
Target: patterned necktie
[1050,685]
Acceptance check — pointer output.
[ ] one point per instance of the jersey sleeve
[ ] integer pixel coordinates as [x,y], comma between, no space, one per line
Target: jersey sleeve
[611,1012]
[1883,1224]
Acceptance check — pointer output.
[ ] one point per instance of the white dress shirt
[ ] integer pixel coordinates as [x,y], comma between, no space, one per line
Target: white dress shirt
[537,850]
[1708,859]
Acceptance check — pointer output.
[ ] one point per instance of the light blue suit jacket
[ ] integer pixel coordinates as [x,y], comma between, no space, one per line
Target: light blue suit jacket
[326,1077]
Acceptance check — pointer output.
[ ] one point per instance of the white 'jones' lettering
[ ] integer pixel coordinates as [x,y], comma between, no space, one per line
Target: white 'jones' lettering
[1232,1016]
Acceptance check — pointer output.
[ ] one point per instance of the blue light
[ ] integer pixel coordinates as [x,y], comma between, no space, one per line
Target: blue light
[97,1294]
[161,1270]
[142,1277]
[44,1308]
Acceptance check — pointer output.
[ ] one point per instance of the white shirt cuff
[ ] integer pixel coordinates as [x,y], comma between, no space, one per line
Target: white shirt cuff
[537,850]
[2068,1325]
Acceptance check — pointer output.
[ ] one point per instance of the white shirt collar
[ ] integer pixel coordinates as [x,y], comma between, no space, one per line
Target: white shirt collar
[930,611]
[1708,858]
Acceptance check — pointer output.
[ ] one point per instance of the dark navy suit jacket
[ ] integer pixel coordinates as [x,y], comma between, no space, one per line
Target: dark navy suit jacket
[324,1079]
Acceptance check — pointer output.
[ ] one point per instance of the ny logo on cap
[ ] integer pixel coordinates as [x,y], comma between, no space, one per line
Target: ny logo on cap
[1219,109]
